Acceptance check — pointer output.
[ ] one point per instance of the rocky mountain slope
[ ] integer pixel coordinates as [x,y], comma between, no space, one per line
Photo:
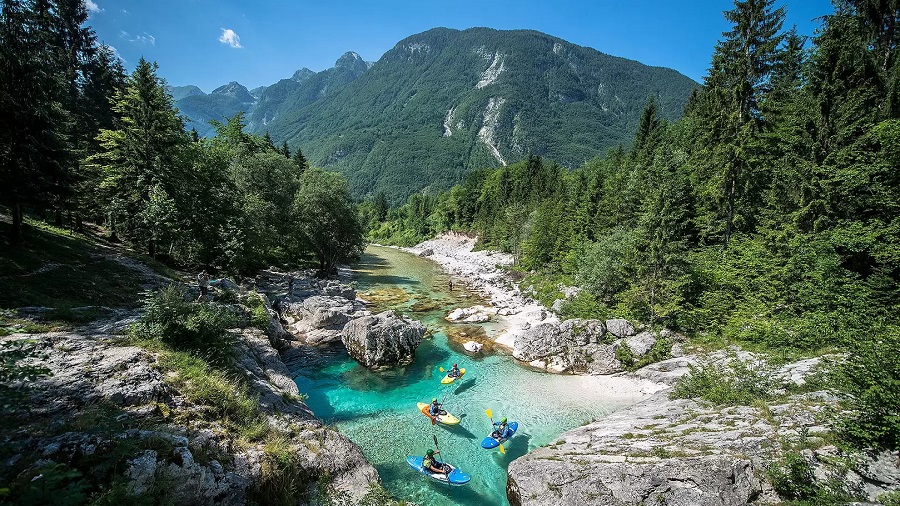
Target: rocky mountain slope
[443,102]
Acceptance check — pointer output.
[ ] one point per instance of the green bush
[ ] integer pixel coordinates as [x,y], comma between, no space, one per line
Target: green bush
[259,315]
[734,383]
[890,499]
[625,356]
[793,478]
[187,326]
[12,369]
[869,381]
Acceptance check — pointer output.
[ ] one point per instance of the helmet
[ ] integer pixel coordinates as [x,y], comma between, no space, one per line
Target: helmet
[503,421]
[434,400]
[430,452]
[454,365]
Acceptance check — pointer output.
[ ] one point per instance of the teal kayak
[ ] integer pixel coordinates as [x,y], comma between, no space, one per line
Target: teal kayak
[455,477]
[490,442]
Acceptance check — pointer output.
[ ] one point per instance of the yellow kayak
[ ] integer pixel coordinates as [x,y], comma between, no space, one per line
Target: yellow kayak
[449,379]
[447,419]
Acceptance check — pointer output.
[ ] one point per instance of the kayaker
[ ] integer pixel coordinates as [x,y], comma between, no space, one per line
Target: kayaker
[454,372]
[435,408]
[501,429]
[431,464]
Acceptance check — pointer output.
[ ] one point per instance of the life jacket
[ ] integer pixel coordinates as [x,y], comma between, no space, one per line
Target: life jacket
[428,462]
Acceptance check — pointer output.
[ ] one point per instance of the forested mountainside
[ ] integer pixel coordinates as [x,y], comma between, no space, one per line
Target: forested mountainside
[444,102]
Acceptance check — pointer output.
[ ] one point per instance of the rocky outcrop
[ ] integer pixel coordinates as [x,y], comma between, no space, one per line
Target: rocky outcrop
[383,341]
[682,452]
[103,398]
[570,346]
[320,318]
[620,327]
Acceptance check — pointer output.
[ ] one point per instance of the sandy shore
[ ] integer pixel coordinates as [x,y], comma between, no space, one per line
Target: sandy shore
[480,271]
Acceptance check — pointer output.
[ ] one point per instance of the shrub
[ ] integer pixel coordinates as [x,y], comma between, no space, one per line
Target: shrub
[870,383]
[188,326]
[735,382]
[13,355]
[259,315]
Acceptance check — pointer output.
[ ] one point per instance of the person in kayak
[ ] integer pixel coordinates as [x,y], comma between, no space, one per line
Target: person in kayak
[454,372]
[501,431]
[431,464]
[435,408]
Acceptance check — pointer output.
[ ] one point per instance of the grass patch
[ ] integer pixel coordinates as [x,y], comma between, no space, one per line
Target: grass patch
[60,269]
[223,399]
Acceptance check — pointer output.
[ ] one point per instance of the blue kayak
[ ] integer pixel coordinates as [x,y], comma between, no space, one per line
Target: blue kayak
[455,477]
[490,442]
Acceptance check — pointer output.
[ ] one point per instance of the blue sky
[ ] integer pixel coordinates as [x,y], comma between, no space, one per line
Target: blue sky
[211,42]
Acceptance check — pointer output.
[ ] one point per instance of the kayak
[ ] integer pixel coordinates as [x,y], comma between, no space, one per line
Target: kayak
[447,419]
[449,379]
[490,442]
[455,477]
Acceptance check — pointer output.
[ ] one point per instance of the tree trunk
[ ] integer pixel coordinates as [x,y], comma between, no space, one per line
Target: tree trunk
[151,248]
[58,218]
[15,233]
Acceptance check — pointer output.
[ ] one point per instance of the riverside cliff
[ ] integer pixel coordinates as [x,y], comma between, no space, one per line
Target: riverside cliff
[95,411]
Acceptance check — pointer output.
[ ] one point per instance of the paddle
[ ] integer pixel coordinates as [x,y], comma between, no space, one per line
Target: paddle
[439,451]
[490,415]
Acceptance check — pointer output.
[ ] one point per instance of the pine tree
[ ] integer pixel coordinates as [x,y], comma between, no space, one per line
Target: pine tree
[285,150]
[139,158]
[34,142]
[300,161]
[729,116]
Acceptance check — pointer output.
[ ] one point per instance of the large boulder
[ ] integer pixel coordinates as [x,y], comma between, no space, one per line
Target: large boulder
[620,327]
[474,314]
[641,343]
[320,318]
[571,346]
[382,341]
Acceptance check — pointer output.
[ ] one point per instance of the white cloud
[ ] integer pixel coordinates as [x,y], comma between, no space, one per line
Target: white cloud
[145,39]
[92,6]
[229,37]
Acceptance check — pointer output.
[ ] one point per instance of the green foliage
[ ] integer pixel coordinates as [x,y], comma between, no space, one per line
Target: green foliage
[14,368]
[327,219]
[793,479]
[870,382]
[735,382]
[56,484]
[190,326]
[890,499]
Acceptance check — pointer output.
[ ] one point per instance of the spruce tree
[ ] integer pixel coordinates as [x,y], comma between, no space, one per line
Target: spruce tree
[300,161]
[139,158]
[34,133]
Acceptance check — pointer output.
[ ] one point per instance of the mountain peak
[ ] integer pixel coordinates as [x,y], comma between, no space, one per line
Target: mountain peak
[302,75]
[351,61]
[235,90]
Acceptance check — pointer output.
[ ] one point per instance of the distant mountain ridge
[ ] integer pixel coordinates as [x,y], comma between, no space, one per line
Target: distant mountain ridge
[443,102]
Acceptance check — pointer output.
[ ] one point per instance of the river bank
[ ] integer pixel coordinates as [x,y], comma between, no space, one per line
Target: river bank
[482,272]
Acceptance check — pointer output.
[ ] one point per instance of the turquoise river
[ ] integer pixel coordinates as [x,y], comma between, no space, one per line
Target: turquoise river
[378,410]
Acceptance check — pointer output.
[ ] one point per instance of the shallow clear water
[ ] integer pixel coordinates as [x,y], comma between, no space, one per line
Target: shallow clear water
[378,410]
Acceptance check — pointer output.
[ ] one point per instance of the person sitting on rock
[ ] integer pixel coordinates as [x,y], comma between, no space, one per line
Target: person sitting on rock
[435,408]
[501,431]
[431,464]
[454,372]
